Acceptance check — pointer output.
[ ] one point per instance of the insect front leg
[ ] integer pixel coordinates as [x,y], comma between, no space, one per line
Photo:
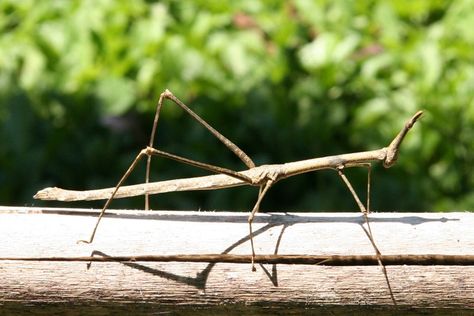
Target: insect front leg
[346,181]
[362,208]
[365,210]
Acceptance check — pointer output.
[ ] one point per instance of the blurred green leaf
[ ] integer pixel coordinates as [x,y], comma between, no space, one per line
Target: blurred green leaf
[117,94]
[79,81]
[319,52]
[33,66]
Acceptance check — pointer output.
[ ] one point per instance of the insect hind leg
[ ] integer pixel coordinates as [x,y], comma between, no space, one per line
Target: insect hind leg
[229,144]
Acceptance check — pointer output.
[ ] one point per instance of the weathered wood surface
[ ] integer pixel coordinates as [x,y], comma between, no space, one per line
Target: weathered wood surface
[47,232]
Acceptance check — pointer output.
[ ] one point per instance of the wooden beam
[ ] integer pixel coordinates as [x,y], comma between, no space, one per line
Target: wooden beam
[27,232]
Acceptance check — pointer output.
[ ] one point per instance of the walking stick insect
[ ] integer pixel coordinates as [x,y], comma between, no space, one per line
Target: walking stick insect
[264,176]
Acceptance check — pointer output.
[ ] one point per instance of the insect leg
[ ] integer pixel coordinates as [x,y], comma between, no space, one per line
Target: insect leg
[109,200]
[155,152]
[369,176]
[362,208]
[230,145]
[365,212]
[255,209]
[216,169]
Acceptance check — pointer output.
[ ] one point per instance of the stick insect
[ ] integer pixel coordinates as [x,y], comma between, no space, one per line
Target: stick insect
[263,177]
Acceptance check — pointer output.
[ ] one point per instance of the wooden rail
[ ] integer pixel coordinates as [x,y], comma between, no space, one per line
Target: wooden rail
[136,259]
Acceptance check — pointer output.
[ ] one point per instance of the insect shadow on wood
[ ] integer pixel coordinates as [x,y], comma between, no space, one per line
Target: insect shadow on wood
[263,177]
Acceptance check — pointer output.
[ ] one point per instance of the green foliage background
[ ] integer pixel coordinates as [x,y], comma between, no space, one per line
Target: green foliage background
[287,80]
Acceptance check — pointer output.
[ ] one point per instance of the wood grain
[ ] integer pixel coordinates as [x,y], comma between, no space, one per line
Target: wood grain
[53,232]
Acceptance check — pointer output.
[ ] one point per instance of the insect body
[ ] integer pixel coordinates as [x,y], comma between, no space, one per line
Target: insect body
[264,176]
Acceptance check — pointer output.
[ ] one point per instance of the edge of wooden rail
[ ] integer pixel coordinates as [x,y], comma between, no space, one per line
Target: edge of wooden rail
[420,280]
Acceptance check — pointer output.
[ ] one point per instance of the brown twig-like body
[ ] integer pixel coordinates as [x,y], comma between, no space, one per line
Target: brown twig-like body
[222,181]
[264,176]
